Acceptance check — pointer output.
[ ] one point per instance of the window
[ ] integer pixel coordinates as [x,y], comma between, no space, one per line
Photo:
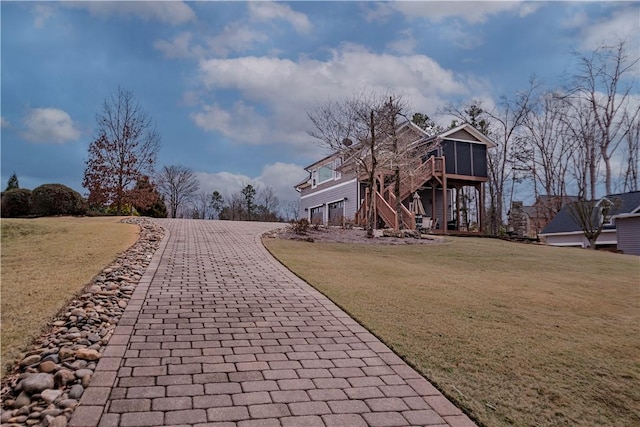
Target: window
[326,173]
[336,169]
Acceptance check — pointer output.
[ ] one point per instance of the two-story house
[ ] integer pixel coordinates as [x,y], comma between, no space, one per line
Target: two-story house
[442,184]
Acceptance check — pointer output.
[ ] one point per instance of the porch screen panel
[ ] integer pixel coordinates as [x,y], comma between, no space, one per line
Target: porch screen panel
[479,156]
[449,153]
[463,157]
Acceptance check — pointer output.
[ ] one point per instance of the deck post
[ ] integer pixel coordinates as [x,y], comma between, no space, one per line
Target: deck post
[445,207]
[481,210]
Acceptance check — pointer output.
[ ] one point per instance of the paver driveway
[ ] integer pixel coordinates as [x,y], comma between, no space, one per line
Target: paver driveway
[218,333]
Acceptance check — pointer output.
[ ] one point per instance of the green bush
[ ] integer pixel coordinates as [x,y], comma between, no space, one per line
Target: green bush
[57,199]
[16,202]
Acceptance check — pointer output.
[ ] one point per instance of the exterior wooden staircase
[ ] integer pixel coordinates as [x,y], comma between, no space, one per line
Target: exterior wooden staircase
[385,201]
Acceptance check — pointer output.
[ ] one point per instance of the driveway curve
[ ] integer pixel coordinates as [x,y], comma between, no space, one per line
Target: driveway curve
[219,333]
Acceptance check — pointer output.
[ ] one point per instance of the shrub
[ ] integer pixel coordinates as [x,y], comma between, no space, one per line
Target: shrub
[57,199]
[301,226]
[16,202]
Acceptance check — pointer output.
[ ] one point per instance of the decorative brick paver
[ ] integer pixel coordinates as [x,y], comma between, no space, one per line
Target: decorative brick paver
[218,333]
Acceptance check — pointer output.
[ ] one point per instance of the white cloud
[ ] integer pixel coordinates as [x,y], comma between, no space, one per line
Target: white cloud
[282,177]
[283,90]
[279,176]
[235,37]
[168,12]
[622,24]
[4,123]
[242,122]
[179,47]
[43,12]
[459,35]
[470,11]
[406,44]
[269,11]
[49,125]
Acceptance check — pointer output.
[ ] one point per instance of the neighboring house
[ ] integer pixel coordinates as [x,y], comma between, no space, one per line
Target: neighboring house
[621,228]
[434,185]
[529,221]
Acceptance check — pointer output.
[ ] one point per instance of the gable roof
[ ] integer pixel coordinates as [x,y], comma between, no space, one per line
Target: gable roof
[563,222]
[475,133]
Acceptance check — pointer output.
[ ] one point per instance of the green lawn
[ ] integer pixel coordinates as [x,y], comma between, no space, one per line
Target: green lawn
[515,334]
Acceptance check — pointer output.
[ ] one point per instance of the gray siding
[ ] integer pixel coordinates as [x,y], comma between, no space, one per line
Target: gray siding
[628,232]
[325,194]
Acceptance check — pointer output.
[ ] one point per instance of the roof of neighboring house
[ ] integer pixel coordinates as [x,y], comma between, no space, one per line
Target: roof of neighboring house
[563,222]
[543,201]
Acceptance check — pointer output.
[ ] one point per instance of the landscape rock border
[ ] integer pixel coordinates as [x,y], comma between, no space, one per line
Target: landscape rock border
[44,388]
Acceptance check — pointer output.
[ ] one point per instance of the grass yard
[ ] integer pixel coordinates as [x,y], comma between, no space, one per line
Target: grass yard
[514,334]
[45,262]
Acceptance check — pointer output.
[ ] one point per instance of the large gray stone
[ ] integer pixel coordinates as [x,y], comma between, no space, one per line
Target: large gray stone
[35,383]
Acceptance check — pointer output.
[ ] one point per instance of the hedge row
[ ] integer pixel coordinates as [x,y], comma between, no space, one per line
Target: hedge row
[46,200]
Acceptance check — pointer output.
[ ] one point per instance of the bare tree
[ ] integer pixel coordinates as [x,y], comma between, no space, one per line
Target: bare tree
[201,205]
[124,151]
[544,152]
[591,216]
[585,156]
[179,185]
[631,156]
[234,209]
[605,81]
[268,203]
[292,209]
[395,151]
[353,129]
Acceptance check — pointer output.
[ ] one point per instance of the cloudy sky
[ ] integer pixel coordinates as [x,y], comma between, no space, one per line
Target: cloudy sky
[228,84]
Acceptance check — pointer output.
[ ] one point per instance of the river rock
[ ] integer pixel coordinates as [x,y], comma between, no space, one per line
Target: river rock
[47,367]
[66,353]
[64,377]
[52,411]
[87,354]
[82,372]
[50,396]
[52,357]
[76,391]
[35,383]
[68,403]
[95,289]
[30,360]
[19,419]
[22,400]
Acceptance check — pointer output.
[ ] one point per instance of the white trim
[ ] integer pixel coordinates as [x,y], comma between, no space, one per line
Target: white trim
[626,215]
[329,188]
[575,233]
[563,233]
